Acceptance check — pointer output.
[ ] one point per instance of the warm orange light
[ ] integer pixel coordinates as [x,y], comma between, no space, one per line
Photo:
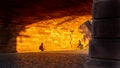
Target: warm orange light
[54,34]
[56,30]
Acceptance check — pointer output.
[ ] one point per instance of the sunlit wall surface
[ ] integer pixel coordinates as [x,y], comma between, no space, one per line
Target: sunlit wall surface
[62,33]
[44,25]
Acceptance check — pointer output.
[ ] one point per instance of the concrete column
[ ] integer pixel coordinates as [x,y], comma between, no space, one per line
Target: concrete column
[104,48]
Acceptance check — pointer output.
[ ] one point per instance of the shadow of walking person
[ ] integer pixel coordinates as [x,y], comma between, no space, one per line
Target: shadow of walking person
[41,47]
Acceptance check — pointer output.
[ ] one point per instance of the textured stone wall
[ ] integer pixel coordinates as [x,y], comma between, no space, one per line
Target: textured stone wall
[43,25]
[52,34]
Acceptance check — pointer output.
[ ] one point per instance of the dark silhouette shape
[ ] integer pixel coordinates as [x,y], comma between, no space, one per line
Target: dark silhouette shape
[87,29]
[80,45]
[89,25]
[41,47]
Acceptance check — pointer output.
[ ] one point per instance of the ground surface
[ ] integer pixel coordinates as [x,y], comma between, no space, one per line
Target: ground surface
[59,59]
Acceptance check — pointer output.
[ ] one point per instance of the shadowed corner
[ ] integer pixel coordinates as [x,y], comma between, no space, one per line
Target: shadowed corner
[6,36]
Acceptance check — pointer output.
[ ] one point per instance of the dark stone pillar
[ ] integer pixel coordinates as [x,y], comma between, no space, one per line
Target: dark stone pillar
[7,13]
[104,48]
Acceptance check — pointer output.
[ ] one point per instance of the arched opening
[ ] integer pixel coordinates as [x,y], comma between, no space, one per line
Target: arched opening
[43,25]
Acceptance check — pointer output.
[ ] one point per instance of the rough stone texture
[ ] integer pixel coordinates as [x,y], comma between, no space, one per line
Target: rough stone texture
[102,63]
[62,59]
[27,24]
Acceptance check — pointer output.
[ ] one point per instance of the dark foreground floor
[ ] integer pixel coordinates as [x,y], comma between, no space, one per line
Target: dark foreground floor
[62,59]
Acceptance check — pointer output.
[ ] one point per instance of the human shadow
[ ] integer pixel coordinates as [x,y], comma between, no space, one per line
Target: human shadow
[13,12]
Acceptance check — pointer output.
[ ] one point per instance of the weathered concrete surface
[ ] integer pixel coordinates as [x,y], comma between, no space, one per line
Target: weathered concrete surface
[60,59]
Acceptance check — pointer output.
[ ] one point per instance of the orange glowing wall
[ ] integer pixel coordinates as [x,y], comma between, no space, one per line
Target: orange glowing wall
[60,33]
[44,25]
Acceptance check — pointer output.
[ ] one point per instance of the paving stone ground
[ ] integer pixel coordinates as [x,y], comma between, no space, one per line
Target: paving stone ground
[58,59]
